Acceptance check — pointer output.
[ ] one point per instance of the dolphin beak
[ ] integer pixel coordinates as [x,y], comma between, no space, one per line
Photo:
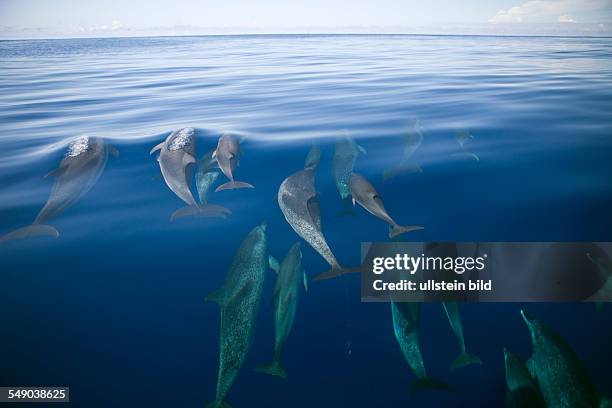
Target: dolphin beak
[526,318]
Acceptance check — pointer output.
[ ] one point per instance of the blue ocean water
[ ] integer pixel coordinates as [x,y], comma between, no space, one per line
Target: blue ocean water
[115,307]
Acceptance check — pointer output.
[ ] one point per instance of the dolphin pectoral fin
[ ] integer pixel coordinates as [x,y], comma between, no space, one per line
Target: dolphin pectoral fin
[156,148]
[465,359]
[335,272]
[35,230]
[55,173]
[214,154]
[423,384]
[273,263]
[399,229]
[188,159]
[305,280]
[113,151]
[232,185]
[216,296]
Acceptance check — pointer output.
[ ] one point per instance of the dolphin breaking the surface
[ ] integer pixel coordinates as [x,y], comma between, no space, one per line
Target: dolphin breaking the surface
[228,157]
[364,193]
[286,293]
[78,172]
[239,298]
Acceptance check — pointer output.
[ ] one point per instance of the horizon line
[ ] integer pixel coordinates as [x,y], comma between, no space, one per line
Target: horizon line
[306,34]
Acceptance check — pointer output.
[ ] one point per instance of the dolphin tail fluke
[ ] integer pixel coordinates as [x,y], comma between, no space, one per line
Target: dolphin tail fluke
[232,185]
[335,272]
[399,229]
[425,384]
[218,404]
[465,359]
[34,230]
[205,211]
[274,369]
[466,155]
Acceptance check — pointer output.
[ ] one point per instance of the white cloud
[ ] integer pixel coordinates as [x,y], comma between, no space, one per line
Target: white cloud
[540,11]
[566,18]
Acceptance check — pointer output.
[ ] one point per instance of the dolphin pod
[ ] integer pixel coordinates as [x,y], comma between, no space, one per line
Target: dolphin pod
[364,193]
[454,318]
[406,317]
[239,298]
[343,162]
[228,158]
[286,293]
[79,170]
[559,373]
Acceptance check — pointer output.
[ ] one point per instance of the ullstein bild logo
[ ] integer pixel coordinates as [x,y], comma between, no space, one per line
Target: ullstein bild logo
[486,271]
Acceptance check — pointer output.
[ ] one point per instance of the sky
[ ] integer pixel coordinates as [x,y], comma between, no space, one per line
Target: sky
[101,18]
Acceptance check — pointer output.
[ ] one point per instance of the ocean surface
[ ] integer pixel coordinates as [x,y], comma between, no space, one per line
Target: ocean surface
[114,308]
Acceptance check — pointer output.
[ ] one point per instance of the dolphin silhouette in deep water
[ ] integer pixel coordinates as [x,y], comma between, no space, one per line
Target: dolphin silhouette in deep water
[454,318]
[343,162]
[413,139]
[239,298]
[78,172]
[286,293]
[463,136]
[228,158]
[313,158]
[364,193]
[299,203]
[406,317]
[562,378]
[522,390]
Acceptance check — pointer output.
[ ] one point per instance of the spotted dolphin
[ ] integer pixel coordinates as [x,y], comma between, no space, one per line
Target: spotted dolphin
[239,298]
[454,318]
[364,193]
[412,139]
[297,199]
[78,172]
[406,317]
[522,390]
[286,293]
[345,155]
[228,158]
[175,154]
[562,378]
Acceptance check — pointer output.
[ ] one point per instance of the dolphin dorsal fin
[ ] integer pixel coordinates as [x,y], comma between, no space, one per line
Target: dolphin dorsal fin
[156,148]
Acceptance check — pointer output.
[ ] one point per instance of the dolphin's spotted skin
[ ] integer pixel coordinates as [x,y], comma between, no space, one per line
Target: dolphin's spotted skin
[286,293]
[345,155]
[78,172]
[523,392]
[182,139]
[175,154]
[239,300]
[298,201]
[406,318]
[562,378]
